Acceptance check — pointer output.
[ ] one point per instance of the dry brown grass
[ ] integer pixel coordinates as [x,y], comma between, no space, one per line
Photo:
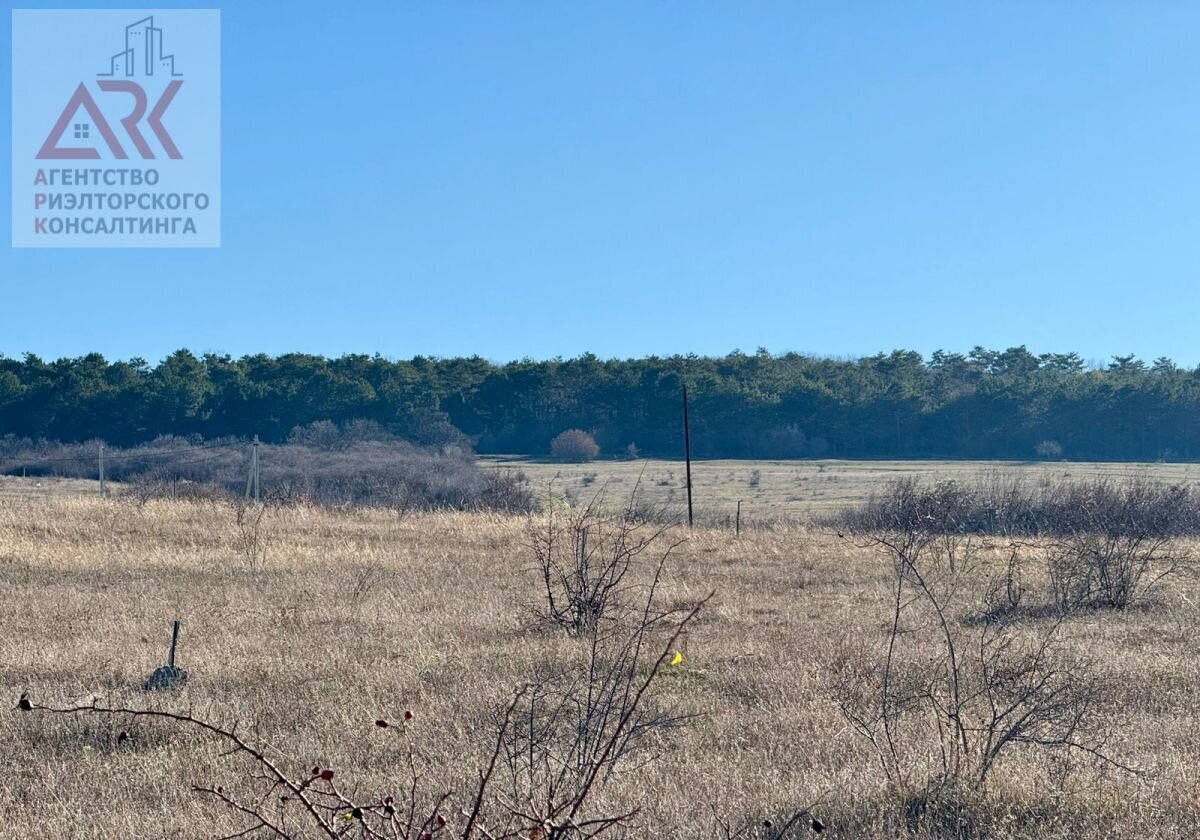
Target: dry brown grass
[356,616]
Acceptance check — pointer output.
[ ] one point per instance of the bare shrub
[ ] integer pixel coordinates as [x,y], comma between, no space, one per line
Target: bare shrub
[507,491]
[249,539]
[947,698]
[394,475]
[1112,570]
[1008,592]
[574,446]
[148,487]
[1106,543]
[574,730]
[584,558]
[289,492]
[1116,541]
[1135,506]
[645,511]
[162,484]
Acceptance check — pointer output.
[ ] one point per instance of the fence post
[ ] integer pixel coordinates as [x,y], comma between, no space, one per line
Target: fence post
[174,642]
[738,525]
[256,472]
[101,457]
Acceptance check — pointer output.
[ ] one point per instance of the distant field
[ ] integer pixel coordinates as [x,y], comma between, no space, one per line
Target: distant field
[14,486]
[799,489]
[767,489]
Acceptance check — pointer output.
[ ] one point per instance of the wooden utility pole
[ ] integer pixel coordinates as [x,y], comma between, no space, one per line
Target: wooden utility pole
[687,453]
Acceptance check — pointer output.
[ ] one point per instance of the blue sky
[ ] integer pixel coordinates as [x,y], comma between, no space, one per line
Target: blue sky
[544,179]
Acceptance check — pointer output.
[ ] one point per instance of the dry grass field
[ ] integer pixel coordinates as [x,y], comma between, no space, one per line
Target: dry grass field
[799,489]
[343,618]
[23,488]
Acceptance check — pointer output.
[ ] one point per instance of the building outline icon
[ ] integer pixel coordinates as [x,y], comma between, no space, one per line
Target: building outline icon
[143,53]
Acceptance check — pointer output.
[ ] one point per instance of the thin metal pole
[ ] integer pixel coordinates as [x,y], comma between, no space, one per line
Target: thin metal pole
[101,469]
[687,453]
[738,526]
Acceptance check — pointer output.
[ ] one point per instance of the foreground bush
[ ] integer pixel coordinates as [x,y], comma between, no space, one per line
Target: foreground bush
[960,685]
[586,560]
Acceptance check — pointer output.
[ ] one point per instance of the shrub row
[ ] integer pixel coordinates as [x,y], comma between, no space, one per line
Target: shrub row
[1131,507]
[371,472]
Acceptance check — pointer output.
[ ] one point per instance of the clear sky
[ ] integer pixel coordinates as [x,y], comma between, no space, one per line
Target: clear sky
[541,179]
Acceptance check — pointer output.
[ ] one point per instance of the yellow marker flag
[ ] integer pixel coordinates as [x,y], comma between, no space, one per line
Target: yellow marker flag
[678,659]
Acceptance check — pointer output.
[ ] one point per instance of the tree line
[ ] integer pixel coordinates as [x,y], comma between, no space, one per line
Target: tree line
[1009,404]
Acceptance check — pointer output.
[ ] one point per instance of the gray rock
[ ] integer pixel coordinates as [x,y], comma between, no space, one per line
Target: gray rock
[166,677]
